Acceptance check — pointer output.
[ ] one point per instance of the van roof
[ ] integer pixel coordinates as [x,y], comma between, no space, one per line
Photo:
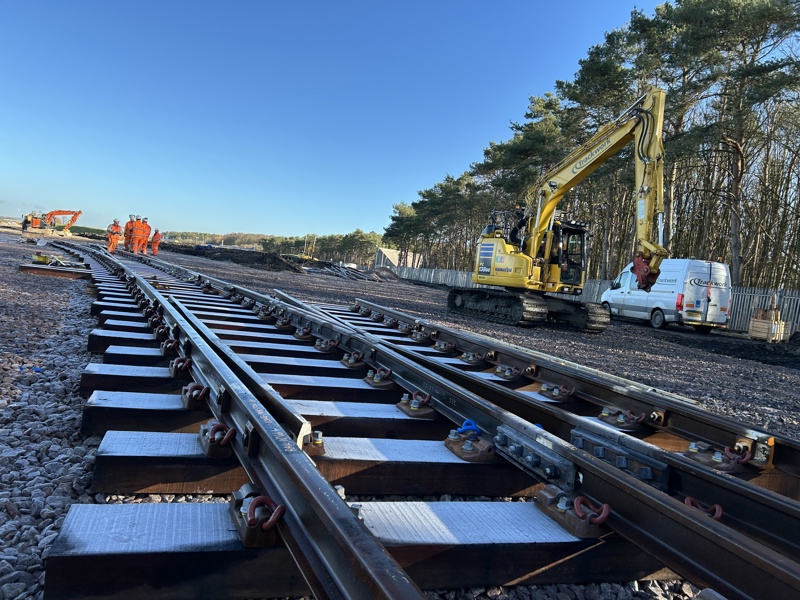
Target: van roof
[681,262]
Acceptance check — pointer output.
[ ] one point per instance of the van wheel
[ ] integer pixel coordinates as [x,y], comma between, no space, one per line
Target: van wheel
[657,319]
[703,328]
[607,308]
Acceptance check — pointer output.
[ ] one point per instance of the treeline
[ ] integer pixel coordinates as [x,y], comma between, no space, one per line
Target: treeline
[357,247]
[241,240]
[731,72]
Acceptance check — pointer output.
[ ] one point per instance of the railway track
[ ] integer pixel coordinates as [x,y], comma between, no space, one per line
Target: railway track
[298,405]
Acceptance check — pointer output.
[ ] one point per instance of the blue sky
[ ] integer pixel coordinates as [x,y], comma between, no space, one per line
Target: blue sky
[280,118]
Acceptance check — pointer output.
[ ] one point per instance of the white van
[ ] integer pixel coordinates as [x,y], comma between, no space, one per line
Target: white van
[687,292]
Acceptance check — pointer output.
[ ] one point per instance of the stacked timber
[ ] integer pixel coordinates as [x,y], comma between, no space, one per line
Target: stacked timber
[765,324]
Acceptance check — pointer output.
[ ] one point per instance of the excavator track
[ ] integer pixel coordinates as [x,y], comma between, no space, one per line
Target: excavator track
[588,317]
[498,306]
[597,318]
[509,308]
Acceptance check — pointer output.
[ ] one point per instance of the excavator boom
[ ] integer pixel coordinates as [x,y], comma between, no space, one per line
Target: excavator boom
[642,123]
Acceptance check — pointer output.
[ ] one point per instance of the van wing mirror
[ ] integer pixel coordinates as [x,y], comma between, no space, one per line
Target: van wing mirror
[615,285]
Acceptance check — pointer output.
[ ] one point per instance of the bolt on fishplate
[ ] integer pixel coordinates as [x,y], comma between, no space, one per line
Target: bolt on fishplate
[535,453]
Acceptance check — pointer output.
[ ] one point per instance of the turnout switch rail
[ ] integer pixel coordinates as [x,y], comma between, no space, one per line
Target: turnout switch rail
[306,402]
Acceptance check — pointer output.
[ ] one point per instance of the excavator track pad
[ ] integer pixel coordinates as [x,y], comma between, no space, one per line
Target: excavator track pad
[498,306]
[588,317]
[509,308]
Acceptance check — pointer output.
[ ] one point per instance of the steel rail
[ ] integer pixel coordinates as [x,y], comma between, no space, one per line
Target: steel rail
[336,553]
[758,512]
[663,410]
[694,545]
[761,513]
[762,569]
[764,515]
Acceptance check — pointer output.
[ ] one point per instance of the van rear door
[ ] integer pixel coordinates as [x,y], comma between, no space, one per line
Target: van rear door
[707,293]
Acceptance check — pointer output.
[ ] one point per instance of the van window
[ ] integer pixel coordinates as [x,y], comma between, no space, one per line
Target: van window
[633,283]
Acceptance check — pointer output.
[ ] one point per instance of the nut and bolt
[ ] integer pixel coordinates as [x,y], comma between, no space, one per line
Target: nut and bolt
[564,504]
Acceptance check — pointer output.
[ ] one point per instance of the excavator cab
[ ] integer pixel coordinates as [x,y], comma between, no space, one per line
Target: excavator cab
[571,254]
[508,224]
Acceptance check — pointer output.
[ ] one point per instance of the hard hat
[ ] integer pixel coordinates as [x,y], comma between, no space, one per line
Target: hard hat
[156,228]
[116,220]
[145,219]
[138,217]
[132,216]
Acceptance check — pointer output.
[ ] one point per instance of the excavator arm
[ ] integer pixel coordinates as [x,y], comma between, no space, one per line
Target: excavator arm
[642,123]
[50,218]
[71,222]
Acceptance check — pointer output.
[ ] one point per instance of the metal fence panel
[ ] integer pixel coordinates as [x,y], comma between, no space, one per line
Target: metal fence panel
[744,299]
[747,299]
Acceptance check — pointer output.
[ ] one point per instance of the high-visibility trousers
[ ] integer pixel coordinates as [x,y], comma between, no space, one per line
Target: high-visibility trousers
[137,242]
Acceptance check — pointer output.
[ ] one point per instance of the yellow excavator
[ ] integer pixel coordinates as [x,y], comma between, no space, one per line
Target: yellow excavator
[534,252]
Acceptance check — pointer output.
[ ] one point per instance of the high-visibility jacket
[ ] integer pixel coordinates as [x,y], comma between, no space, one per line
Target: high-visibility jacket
[154,243]
[128,234]
[138,228]
[147,229]
[113,236]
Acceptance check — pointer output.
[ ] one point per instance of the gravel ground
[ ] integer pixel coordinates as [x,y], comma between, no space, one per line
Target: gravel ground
[45,463]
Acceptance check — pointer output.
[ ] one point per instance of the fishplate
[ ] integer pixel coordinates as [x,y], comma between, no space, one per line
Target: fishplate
[637,463]
[536,454]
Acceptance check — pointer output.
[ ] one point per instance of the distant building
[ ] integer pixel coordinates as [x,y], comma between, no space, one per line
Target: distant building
[386,257]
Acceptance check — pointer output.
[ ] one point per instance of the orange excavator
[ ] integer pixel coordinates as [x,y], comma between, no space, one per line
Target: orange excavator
[37,220]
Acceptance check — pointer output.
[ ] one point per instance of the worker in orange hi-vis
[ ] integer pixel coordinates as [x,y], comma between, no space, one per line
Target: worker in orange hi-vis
[128,232]
[113,231]
[155,241]
[146,237]
[137,234]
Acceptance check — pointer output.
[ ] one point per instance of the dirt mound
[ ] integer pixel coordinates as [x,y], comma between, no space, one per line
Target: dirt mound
[268,261]
[271,261]
[385,274]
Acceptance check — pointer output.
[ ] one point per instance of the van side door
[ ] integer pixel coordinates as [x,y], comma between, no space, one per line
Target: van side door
[635,305]
[618,292]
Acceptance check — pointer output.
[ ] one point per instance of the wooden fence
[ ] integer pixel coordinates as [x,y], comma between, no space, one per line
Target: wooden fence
[744,299]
